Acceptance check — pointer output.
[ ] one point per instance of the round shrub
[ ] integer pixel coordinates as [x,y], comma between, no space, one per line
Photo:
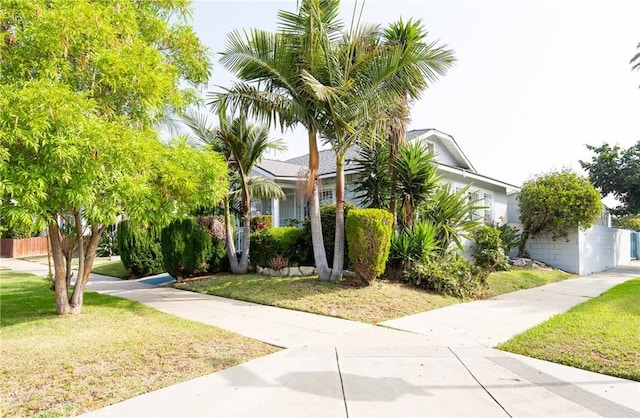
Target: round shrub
[186,248]
[139,248]
[368,234]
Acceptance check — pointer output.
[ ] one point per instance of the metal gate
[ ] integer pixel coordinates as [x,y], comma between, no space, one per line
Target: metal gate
[634,245]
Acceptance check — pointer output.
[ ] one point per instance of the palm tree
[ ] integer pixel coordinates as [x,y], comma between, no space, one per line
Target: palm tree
[243,145]
[433,62]
[373,187]
[417,179]
[635,61]
[271,69]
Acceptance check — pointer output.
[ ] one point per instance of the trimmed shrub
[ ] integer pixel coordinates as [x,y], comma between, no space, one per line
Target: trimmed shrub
[368,234]
[488,250]
[269,243]
[451,275]
[186,248]
[259,222]
[139,248]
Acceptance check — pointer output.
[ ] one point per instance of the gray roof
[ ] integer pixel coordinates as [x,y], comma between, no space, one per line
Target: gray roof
[281,168]
[327,163]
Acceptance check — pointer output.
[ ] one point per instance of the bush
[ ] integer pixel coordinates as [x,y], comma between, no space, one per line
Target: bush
[139,248]
[328,221]
[369,238]
[269,243]
[488,250]
[413,244]
[510,237]
[259,222]
[186,248]
[451,275]
[215,228]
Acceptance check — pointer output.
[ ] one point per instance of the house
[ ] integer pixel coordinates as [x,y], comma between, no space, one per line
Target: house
[452,165]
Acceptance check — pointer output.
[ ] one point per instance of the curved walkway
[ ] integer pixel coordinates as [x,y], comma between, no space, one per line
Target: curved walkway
[437,363]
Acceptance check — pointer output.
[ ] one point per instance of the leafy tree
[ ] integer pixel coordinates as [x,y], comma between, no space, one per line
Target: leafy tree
[616,171]
[243,144]
[82,84]
[557,202]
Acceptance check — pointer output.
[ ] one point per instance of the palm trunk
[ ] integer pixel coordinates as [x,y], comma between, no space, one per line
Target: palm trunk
[393,198]
[243,266]
[338,249]
[319,253]
[59,277]
[231,246]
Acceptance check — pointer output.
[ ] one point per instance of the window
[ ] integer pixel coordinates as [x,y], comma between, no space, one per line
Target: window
[476,200]
[488,211]
[255,207]
[326,197]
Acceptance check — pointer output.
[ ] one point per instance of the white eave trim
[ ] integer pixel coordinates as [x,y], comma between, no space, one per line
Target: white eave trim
[474,176]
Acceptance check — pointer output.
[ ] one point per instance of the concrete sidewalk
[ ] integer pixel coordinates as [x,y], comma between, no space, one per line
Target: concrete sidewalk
[436,363]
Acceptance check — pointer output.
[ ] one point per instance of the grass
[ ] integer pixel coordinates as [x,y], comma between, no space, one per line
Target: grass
[113,269]
[54,365]
[379,302]
[601,335]
[518,278]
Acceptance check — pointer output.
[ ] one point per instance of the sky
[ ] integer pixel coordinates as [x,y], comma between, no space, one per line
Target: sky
[535,80]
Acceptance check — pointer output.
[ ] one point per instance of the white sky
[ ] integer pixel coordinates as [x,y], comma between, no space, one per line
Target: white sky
[535,79]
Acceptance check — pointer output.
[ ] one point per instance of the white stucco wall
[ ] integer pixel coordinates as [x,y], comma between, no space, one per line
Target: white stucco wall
[583,252]
[603,248]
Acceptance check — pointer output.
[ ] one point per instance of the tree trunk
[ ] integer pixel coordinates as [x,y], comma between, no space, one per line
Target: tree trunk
[231,247]
[319,253]
[393,198]
[86,257]
[243,266]
[59,277]
[338,249]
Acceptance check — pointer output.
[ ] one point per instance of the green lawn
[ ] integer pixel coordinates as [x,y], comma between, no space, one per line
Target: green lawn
[113,269]
[376,303]
[65,365]
[601,335]
[522,278]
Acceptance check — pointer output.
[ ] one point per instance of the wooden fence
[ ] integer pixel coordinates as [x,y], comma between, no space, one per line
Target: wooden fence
[23,247]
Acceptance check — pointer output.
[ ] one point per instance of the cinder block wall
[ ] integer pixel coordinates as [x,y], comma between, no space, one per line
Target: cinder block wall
[563,253]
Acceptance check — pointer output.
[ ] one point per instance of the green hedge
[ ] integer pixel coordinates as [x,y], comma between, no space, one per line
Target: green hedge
[285,241]
[186,248]
[139,248]
[368,234]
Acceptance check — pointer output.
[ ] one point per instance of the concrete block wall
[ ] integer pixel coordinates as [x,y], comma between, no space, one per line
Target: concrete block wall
[583,252]
[562,253]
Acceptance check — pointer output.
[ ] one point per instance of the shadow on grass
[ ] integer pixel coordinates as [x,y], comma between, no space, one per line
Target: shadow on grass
[26,298]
